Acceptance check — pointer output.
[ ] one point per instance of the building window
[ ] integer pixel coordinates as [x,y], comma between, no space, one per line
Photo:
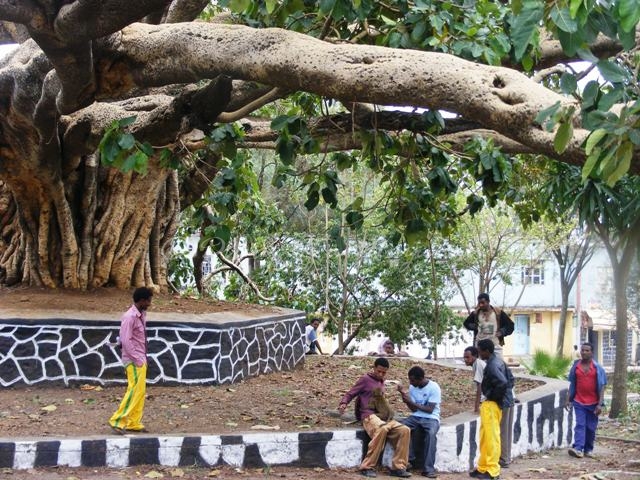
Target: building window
[206,265]
[533,274]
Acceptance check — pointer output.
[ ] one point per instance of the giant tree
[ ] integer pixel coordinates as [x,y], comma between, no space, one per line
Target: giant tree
[140,85]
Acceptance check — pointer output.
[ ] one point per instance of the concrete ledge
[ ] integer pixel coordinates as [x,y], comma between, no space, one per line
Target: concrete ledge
[540,423]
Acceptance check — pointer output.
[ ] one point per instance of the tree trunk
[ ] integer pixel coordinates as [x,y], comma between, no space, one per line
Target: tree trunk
[101,228]
[564,288]
[619,384]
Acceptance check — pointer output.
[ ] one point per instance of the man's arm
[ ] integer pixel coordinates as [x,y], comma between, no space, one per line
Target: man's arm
[351,394]
[476,405]
[506,325]
[470,323]
[317,344]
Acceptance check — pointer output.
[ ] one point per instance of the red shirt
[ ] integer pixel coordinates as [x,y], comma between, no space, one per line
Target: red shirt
[586,385]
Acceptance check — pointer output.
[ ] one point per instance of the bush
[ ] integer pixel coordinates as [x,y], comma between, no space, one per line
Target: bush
[545,365]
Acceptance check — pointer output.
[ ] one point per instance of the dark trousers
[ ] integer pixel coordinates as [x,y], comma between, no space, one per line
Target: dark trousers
[584,433]
[424,441]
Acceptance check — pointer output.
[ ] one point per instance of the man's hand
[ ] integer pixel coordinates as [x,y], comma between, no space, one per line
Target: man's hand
[342,407]
[499,334]
[567,406]
[598,410]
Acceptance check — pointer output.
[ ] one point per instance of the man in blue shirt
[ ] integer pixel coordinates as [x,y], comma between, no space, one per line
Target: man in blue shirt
[312,346]
[423,399]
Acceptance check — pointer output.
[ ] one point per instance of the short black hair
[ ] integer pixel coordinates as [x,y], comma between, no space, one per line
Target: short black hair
[588,344]
[484,296]
[142,293]
[416,372]
[473,350]
[486,345]
[381,362]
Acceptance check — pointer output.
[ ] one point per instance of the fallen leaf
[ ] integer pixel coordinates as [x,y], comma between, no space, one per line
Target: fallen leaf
[304,426]
[49,408]
[265,427]
[177,472]
[231,390]
[246,418]
[318,469]
[69,401]
[154,474]
[538,470]
[87,387]
[184,406]
[231,424]
[213,473]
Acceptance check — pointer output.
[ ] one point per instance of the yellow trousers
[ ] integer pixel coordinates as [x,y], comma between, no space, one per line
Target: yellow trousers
[129,414]
[379,431]
[490,417]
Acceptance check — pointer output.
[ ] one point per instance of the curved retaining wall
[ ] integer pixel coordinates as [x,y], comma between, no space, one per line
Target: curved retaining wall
[76,350]
[540,422]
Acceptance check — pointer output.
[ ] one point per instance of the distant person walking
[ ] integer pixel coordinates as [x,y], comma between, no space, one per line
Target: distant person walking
[587,381]
[312,346]
[497,390]
[489,322]
[423,399]
[133,339]
[367,391]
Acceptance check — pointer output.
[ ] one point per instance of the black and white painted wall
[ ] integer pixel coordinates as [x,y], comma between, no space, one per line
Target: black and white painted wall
[540,423]
[74,350]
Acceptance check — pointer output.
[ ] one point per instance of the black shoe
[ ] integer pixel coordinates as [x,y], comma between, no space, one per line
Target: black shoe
[504,464]
[118,430]
[429,474]
[369,472]
[399,473]
[484,475]
[409,467]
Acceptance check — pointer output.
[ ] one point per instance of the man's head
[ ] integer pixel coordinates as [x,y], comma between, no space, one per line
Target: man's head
[387,346]
[586,351]
[484,301]
[470,355]
[485,348]
[416,376]
[315,323]
[380,367]
[142,298]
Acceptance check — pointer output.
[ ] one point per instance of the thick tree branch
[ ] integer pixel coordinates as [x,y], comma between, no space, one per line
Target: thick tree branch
[496,98]
[185,10]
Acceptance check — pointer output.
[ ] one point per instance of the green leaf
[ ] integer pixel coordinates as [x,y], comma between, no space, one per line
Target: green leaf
[574,6]
[563,136]
[612,72]
[524,25]
[543,115]
[126,141]
[125,122]
[563,19]
[568,83]
[593,140]
[629,14]
[313,198]
[571,42]
[280,122]
[329,196]
[355,220]
[590,94]
[271,6]
[239,6]
[623,155]
[590,164]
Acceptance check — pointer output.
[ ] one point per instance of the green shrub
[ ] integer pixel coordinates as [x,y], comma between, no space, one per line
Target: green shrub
[545,365]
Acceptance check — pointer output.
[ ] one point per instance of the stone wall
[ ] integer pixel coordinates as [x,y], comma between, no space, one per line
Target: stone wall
[74,350]
[539,423]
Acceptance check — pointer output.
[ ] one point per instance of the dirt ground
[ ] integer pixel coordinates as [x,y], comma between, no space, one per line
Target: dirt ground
[114,301]
[305,398]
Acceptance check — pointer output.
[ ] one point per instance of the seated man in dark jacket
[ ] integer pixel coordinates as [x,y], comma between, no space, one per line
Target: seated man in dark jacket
[489,322]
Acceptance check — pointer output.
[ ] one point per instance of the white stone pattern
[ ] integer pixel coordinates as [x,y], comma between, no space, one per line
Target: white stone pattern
[80,351]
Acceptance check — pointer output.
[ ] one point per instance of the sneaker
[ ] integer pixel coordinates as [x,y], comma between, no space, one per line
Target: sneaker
[402,473]
[368,473]
[590,455]
[429,474]
[576,453]
[504,464]
[484,475]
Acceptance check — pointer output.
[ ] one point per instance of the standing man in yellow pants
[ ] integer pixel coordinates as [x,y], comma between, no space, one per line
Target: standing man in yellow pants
[133,338]
[497,387]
